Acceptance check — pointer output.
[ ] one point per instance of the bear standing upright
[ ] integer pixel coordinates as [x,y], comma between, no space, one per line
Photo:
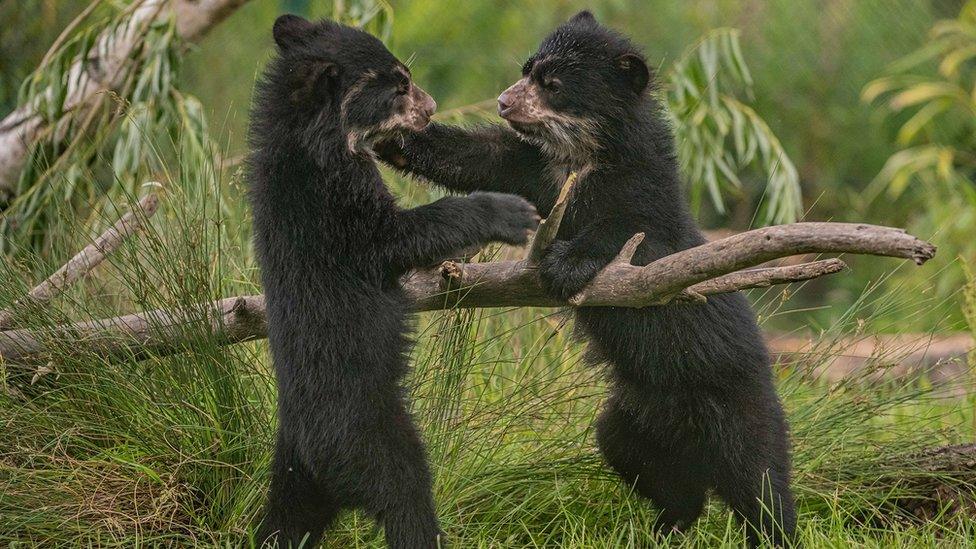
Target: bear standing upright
[332,245]
[693,406]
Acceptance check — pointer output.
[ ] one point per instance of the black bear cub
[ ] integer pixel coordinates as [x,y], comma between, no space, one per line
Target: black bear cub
[693,407]
[332,245]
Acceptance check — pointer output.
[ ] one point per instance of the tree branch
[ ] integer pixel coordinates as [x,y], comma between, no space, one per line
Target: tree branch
[657,283]
[765,277]
[549,226]
[159,332]
[23,127]
[194,18]
[690,274]
[84,261]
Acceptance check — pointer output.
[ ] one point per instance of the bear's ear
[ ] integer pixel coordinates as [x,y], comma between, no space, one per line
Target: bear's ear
[290,31]
[313,80]
[584,18]
[634,71]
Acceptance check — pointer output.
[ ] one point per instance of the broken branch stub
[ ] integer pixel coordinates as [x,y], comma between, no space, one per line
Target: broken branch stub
[549,227]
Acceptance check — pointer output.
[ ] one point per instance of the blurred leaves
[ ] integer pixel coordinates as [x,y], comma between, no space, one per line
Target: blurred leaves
[719,136]
[374,16]
[936,110]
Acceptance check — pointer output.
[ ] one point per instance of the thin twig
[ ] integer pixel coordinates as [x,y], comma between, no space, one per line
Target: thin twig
[768,276]
[84,261]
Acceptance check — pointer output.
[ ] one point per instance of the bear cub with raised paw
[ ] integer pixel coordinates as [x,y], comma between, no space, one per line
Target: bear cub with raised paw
[692,406]
[332,245]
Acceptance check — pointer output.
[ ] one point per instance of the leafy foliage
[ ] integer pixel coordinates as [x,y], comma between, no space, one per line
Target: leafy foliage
[83,163]
[374,16]
[939,136]
[719,136]
[90,158]
[931,97]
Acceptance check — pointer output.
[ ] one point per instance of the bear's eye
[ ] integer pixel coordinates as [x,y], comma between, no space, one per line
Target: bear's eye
[551,85]
[403,87]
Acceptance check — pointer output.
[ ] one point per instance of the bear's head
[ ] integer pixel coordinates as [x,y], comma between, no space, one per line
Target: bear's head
[583,85]
[344,78]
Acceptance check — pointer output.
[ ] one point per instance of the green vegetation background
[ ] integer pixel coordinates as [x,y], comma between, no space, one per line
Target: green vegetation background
[810,62]
[173,451]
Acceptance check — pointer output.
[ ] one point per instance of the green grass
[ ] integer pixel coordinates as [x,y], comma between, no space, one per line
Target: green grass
[174,451]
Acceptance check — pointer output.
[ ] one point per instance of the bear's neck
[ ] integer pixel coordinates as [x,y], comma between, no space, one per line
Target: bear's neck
[637,142]
[310,170]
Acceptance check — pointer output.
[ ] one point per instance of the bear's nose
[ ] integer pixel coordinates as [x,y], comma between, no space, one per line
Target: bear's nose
[505,101]
[430,106]
[510,100]
[424,102]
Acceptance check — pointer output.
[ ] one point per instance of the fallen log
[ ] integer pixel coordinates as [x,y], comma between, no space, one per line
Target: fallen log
[935,483]
[687,276]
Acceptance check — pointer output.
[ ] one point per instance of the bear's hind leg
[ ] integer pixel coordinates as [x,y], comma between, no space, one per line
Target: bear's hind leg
[675,485]
[298,508]
[762,500]
[398,492]
[752,476]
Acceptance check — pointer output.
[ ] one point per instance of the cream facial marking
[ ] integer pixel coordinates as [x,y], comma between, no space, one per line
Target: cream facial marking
[415,112]
[560,135]
[354,135]
[353,91]
[411,111]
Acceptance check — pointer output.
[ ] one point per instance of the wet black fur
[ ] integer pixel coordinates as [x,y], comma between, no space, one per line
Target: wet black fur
[332,244]
[693,405]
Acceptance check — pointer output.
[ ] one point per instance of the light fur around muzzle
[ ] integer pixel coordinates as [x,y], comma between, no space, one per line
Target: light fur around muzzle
[560,135]
[414,115]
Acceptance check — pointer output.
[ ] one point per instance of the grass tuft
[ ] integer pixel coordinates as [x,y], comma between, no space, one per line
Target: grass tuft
[174,451]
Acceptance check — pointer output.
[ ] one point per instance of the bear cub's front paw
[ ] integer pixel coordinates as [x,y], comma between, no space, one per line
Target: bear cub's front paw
[560,275]
[510,218]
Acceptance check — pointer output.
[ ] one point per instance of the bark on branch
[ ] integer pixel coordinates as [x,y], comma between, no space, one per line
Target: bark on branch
[620,284]
[194,18]
[692,274]
[22,128]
